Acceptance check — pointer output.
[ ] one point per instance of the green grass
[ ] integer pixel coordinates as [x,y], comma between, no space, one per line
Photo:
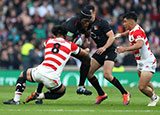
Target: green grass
[73,104]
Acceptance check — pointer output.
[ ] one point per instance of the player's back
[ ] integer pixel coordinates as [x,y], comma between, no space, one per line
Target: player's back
[57,53]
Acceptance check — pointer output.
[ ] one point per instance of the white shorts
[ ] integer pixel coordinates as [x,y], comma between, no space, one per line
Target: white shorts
[147,65]
[50,84]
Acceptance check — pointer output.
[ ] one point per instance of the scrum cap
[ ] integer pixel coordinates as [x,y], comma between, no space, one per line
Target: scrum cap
[85,14]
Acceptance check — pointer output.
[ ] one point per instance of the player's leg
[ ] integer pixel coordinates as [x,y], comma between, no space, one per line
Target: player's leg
[93,80]
[145,78]
[20,86]
[84,69]
[56,88]
[53,94]
[35,94]
[149,84]
[108,67]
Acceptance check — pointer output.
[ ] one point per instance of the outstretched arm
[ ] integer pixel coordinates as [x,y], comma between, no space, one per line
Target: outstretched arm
[123,34]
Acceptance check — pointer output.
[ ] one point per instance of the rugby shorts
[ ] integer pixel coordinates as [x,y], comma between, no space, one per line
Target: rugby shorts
[50,84]
[106,55]
[149,64]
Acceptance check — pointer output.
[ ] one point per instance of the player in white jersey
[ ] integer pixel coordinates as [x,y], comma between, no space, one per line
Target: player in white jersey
[146,61]
[57,53]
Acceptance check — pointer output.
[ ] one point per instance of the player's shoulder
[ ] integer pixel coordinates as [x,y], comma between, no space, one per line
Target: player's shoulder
[138,30]
[101,21]
[48,39]
[72,20]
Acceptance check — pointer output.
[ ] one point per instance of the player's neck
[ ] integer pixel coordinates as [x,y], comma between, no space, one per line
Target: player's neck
[133,25]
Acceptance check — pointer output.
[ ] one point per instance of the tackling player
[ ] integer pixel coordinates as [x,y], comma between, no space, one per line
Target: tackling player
[75,27]
[57,53]
[146,61]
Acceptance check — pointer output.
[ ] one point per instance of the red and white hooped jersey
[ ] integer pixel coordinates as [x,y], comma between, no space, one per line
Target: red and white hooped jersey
[137,33]
[57,53]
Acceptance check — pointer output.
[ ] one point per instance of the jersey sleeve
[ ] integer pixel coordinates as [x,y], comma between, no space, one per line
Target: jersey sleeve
[105,26]
[74,48]
[139,35]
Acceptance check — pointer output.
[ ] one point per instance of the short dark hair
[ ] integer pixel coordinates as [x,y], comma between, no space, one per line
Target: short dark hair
[90,7]
[58,30]
[131,15]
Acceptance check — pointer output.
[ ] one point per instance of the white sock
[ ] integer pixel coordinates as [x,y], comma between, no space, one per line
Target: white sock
[41,96]
[154,96]
[17,96]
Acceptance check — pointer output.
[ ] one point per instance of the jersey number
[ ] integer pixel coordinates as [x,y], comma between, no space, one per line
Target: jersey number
[56,47]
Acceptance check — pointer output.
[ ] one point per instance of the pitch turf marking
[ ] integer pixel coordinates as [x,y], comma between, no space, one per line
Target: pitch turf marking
[62,110]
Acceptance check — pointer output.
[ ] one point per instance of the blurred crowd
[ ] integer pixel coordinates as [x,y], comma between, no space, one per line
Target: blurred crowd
[26,24]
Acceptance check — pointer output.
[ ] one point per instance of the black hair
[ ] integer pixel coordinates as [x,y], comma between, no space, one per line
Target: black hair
[90,7]
[131,15]
[58,30]
[85,14]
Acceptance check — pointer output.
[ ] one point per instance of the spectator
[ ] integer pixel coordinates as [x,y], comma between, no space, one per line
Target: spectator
[40,32]
[45,8]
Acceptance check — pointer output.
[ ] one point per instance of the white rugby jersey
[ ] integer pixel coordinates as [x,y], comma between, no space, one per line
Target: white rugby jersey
[57,53]
[137,33]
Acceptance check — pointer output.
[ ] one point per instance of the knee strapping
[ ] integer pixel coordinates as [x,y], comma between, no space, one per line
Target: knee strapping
[21,82]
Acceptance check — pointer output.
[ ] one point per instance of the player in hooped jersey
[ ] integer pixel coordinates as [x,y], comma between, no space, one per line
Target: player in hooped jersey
[146,61]
[75,27]
[57,53]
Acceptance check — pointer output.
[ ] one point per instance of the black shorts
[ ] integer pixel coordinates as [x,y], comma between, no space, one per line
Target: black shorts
[107,55]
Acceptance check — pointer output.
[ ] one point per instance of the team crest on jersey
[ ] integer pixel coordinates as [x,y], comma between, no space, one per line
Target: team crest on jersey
[106,57]
[95,27]
[131,39]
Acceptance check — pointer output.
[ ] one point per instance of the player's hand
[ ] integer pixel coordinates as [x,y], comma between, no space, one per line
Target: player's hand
[120,49]
[86,43]
[100,50]
[87,50]
[118,35]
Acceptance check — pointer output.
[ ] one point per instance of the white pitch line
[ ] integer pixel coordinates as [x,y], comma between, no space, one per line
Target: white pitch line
[63,110]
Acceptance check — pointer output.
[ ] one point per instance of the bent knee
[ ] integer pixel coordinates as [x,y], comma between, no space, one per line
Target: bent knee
[141,87]
[108,76]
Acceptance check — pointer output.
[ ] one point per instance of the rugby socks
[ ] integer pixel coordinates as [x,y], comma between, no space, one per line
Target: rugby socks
[83,74]
[41,96]
[117,84]
[52,95]
[20,86]
[17,96]
[154,96]
[96,85]
[39,88]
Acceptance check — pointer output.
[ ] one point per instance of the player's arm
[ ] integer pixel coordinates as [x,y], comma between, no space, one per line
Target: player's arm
[109,42]
[136,46]
[123,34]
[78,51]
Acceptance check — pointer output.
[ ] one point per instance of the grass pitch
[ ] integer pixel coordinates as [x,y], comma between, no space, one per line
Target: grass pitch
[73,104]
